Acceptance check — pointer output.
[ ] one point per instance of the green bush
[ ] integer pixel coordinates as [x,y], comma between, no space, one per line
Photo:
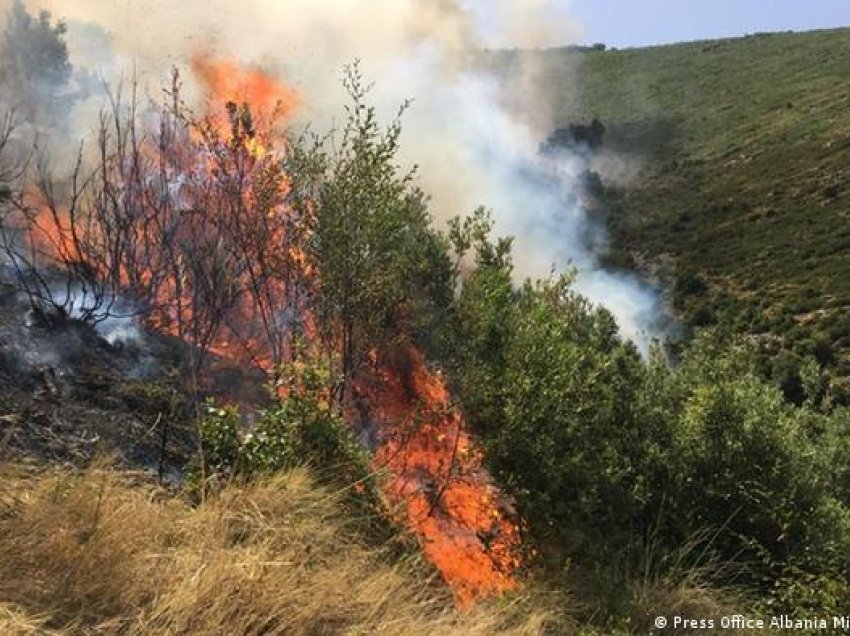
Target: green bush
[303,427]
[703,315]
[786,374]
[689,284]
[743,462]
[219,448]
[599,446]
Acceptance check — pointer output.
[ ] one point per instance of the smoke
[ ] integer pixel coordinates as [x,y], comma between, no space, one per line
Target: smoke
[474,134]
[116,317]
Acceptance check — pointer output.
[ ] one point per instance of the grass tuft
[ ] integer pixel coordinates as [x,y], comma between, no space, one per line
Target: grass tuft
[104,552]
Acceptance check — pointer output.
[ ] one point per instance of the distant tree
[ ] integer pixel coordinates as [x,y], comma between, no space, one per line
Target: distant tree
[34,62]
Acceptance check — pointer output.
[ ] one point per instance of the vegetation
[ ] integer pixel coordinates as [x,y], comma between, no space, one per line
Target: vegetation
[103,552]
[304,426]
[384,271]
[710,482]
[34,64]
[613,459]
[620,465]
[740,150]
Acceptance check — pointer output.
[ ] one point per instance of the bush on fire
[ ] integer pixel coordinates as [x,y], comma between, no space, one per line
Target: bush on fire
[612,458]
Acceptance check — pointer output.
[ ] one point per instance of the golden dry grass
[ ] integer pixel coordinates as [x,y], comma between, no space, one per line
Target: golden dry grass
[16,622]
[103,552]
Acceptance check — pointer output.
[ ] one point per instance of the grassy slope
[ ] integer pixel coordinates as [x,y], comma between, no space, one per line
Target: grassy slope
[745,152]
[106,552]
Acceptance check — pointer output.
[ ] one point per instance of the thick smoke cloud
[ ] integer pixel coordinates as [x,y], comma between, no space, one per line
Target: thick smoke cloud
[474,137]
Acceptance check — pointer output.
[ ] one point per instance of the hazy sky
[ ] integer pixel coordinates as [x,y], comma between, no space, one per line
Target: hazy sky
[625,23]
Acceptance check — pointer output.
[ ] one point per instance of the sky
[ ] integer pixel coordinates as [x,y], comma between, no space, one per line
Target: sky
[625,23]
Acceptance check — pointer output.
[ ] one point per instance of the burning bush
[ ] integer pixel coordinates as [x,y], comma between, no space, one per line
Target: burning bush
[242,239]
[181,220]
[383,270]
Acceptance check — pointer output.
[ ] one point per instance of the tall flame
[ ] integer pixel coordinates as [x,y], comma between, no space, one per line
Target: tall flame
[466,527]
[224,80]
[437,482]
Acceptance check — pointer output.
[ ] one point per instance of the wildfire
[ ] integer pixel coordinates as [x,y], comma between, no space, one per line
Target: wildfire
[225,185]
[437,480]
[51,229]
[247,94]
[226,81]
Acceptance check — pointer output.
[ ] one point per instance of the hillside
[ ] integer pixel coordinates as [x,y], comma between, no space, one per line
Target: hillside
[741,199]
[250,384]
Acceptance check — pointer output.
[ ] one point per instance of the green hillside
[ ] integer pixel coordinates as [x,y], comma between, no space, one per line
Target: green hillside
[742,199]
[249,385]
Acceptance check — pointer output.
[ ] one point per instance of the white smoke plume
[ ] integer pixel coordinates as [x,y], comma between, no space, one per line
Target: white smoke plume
[474,137]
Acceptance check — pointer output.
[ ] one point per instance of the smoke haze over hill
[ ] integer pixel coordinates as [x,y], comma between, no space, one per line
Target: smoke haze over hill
[474,137]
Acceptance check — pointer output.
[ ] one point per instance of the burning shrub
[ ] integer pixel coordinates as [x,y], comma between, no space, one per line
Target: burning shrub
[184,222]
[239,241]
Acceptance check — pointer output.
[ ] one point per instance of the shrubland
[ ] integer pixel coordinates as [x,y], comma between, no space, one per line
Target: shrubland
[730,186]
[616,460]
[683,483]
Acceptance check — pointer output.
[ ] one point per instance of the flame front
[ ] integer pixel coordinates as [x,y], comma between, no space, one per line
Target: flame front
[226,171]
[226,81]
[465,525]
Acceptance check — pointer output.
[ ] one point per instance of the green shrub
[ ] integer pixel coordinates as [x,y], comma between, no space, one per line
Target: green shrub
[703,315]
[303,427]
[689,284]
[599,446]
[219,448]
[786,374]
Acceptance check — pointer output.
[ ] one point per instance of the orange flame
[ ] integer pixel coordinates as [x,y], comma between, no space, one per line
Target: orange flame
[225,80]
[466,527]
[437,481]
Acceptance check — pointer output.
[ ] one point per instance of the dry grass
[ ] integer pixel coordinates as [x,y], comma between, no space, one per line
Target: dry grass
[684,583]
[687,597]
[16,622]
[102,552]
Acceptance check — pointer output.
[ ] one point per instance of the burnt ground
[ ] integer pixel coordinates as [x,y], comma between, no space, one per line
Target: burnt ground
[68,396]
